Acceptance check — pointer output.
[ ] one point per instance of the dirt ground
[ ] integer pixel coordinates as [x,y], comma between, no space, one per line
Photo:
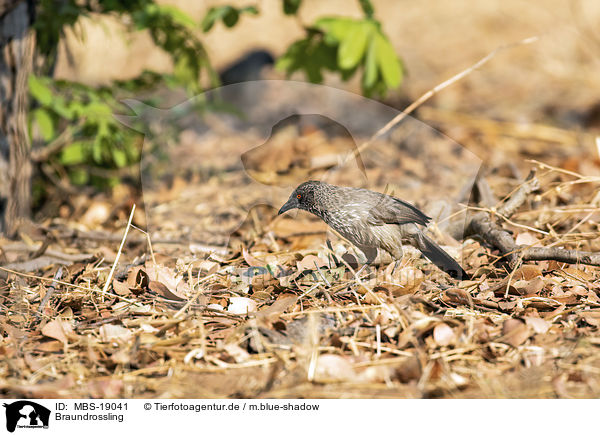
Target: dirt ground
[226,299]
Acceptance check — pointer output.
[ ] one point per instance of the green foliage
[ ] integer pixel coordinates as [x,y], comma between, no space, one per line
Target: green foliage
[85,115]
[343,45]
[290,7]
[228,14]
[76,120]
[367,8]
[170,28]
[173,31]
[310,55]
[45,123]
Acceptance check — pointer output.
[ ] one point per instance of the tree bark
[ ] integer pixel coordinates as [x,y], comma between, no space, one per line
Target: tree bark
[17,43]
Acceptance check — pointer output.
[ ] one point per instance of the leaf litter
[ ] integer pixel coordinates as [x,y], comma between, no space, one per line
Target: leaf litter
[281,312]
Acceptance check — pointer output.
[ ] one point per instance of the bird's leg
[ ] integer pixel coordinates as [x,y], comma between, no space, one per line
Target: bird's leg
[369,254]
[398,257]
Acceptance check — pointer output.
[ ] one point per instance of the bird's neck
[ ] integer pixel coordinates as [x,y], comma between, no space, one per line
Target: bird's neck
[319,211]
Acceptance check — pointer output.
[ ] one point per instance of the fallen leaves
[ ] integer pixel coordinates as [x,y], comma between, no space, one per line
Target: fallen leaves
[531,287]
[515,332]
[114,333]
[275,302]
[60,330]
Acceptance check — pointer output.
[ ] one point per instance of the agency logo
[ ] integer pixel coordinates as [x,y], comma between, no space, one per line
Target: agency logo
[25,414]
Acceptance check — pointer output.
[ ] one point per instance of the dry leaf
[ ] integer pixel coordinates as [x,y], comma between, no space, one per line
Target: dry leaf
[163,290]
[528,272]
[137,280]
[582,291]
[592,317]
[456,296]
[311,262]
[409,370]
[514,332]
[58,329]
[527,239]
[334,368]
[539,326]
[105,388]
[277,307]
[176,285]
[402,280]
[443,334]
[120,288]
[110,332]
[527,288]
[579,274]
[96,214]
[50,347]
[240,305]
[252,261]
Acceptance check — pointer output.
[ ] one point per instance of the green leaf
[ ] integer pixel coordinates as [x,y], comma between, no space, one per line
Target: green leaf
[211,17]
[310,55]
[251,10]
[44,123]
[61,108]
[96,111]
[389,64]
[39,90]
[119,157]
[353,46]
[228,14]
[103,131]
[290,7]
[177,15]
[231,17]
[367,8]
[73,154]
[370,75]
[335,29]
[76,108]
[79,176]
[97,150]
[183,72]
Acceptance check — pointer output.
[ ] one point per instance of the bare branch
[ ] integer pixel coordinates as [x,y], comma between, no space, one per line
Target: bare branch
[517,199]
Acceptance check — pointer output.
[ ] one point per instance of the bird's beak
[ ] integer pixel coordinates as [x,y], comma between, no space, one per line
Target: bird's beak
[292,203]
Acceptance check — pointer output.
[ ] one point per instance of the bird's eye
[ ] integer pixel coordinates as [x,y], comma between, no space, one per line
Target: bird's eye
[298,196]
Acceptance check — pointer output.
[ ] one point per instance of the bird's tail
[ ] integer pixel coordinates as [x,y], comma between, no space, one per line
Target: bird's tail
[440,258]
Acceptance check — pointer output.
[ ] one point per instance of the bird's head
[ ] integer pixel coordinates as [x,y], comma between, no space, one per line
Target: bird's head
[303,197]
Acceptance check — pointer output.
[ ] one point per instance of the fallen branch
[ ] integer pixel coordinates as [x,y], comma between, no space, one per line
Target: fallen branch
[562,255]
[483,226]
[517,199]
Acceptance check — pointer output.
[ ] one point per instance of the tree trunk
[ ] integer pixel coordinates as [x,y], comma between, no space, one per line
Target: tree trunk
[17,43]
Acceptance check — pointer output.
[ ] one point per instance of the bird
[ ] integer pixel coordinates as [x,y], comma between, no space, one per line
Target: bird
[371,221]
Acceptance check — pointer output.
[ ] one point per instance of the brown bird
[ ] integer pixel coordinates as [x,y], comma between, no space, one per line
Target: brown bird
[371,220]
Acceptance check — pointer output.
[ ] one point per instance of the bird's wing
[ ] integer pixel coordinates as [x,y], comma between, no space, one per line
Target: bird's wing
[390,210]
